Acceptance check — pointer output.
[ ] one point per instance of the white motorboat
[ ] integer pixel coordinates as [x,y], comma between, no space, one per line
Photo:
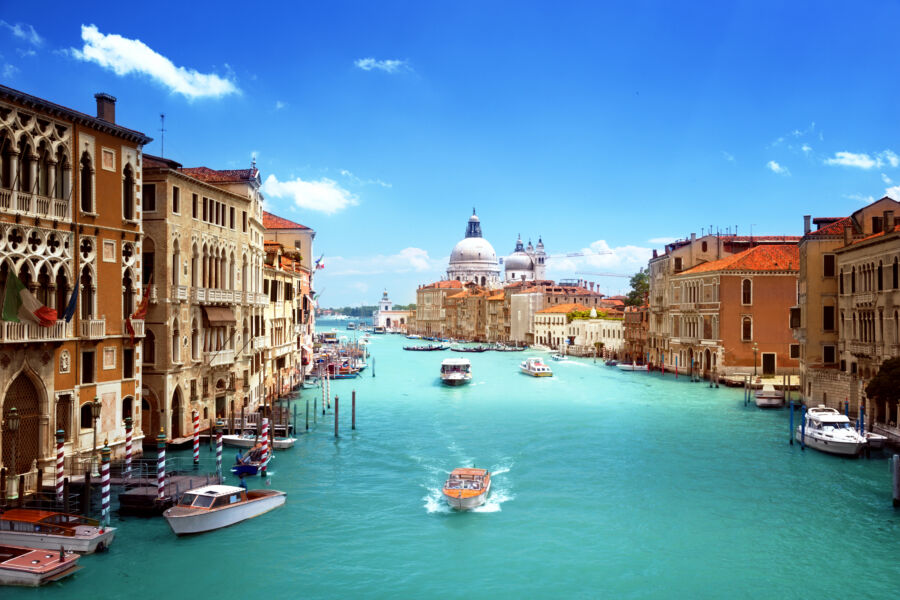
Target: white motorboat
[456,371]
[540,348]
[828,430]
[535,367]
[467,488]
[631,366]
[769,397]
[32,567]
[559,357]
[876,441]
[50,530]
[248,439]
[215,506]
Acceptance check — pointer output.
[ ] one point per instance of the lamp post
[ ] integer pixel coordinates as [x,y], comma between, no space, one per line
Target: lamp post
[95,413]
[755,350]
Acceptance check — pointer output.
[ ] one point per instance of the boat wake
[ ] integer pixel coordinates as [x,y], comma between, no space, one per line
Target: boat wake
[497,497]
[436,503]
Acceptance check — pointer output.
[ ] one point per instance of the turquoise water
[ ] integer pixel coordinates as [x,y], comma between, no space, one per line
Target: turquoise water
[606,484]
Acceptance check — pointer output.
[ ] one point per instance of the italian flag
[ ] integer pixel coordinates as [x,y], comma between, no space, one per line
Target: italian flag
[19,304]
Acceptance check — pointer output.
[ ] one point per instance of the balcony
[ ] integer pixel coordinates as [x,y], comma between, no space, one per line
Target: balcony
[32,332]
[283,349]
[93,328]
[33,205]
[260,342]
[154,295]
[246,297]
[688,307]
[138,325]
[864,299]
[261,300]
[179,293]
[218,358]
[863,348]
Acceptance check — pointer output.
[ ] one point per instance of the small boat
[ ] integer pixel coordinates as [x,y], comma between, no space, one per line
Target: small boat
[631,366]
[535,367]
[456,371]
[215,506]
[431,348]
[467,488]
[559,357]
[50,530]
[249,462]
[351,326]
[475,349]
[769,397]
[827,430]
[249,439]
[33,567]
[876,441]
[540,348]
[611,363]
[413,336]
[379,329]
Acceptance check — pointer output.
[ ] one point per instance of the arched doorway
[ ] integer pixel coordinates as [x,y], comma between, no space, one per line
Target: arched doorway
[177,414]
[24,396]
[706,363]
[149,415]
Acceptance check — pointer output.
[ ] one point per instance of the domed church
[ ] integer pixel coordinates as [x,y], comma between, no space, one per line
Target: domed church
[526,263]
[473,259]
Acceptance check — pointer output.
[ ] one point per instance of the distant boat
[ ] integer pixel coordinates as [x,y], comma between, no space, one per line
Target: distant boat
[216,506]
[33,567]
[559,357]
[466,489]
[611,362]
[379,329]
[535,367]
[769,397]
[249,439]
[631,367]
[351,326]
[50,530]
[456,371]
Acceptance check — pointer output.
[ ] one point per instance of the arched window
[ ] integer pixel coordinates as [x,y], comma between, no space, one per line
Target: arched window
[853,280]
[127,295]
[841,281]
[176,342]
[86,416]
[87,294]
[880,276]
[195,340]
[128,194]
[176,263]
[127,407]
[894,274]
[746,292]
[87,184]
[746,329]
[149,345]
[62,292]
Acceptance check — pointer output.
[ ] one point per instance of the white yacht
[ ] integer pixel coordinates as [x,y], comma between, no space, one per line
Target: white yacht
[559,357]
[826,429]
[769,397]
[456,371]
[535,367]
[216,506]
[631,366]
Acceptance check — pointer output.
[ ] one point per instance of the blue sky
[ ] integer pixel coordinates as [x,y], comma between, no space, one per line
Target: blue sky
[595,125]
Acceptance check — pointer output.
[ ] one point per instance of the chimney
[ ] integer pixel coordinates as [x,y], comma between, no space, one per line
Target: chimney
[655,255]
[888,221]
[848,235]
[693,237]
[592,286]
[106,107]
[806,219]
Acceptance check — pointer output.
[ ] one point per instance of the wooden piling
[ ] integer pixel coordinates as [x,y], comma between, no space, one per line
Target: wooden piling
[20,492]
[353,420]
[335,416]
[65,505]
[3,487]
[86,494]
[243,422]
[307,414]
[895,469]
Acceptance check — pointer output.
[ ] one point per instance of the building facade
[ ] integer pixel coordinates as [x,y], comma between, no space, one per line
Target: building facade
[431,312]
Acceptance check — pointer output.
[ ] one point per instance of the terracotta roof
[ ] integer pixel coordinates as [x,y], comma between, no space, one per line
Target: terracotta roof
[834,228]
[457,295]
[271,221]
[451,283]
[498,296]
[782,257]
[271,243]
[875,235]
[563,308]
[157,162]
[224,176]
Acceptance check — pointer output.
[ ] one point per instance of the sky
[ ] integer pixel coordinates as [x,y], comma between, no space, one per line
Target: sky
[600,126]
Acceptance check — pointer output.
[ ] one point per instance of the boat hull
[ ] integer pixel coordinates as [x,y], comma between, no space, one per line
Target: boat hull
[237,441]
[202,521]
[538,373]
[769,401]
[455,381]
[831,447]
[630,367]
[470,502]
[81,545]
[31,568]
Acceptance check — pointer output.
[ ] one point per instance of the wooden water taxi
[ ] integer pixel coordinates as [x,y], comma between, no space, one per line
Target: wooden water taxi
[466,489]
[535,367]
[215,506]
[50,530]
[250,438]
[456,371]
[32,567]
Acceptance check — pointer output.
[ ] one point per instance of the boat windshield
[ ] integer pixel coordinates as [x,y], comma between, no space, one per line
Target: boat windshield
[840,425]
[204,501]
[187,499]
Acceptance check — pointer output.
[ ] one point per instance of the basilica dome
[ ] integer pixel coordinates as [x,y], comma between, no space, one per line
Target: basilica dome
[519,259]
[473,258]
[473,250]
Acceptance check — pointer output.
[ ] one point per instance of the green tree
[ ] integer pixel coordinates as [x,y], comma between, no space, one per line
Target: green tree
[640,288]
[885,386]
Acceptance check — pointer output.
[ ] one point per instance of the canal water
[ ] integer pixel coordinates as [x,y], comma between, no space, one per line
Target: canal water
[605,484]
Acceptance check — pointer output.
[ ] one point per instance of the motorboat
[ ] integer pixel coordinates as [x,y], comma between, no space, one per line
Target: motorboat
[413,336]
[249,439]
[250,462]
[378,329]
[540,348]
[559,357]
[769,397]
[215,506]
[828,430]
[876,441]
[456,371]
[466,489]
[329,337]
[33,567]
[48,530]
[535,367]
[631,366]
[611,362]
[351,326]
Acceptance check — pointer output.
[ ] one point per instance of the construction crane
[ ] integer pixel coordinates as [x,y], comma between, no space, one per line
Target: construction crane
[602,274]
[577,254]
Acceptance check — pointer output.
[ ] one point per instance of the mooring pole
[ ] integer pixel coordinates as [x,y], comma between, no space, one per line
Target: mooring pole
[353,420]
[335,416]
[791,439]
[895,469]
[104,484]
[803,428]
[60,463]
[307,414]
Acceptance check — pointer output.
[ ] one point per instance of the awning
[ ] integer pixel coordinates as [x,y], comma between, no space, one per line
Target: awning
[307,348]
[309,299]
[219,315]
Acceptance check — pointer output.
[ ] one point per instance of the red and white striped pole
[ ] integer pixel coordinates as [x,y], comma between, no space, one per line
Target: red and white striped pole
[104,483]
[161,466]
[219,449]
[265,447]
[129,429]
[60,464]
[196,438]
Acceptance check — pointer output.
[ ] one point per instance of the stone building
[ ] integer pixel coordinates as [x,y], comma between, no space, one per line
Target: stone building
[284,343]
[550,324]
[70,230]
[203,260]
[431,306]
[526,263]
[635,324]
[391,320]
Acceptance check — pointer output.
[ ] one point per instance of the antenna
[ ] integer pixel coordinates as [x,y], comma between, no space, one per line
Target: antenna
[162,131]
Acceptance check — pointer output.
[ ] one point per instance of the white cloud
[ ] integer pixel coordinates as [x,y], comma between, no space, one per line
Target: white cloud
[8,71]
[728,156]
[124,56]
[24,32]
[886,179]
[324,195]
[796,133]
[388,66]
[26,53]
[860,198]
[358,181]
[776,168]
[864,161]
[405,261]
[601,257]
[279,105]
[806,148]
[893,192]
[662,240]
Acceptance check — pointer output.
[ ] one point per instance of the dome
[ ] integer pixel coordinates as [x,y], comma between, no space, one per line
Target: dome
[473,249]
[519,261]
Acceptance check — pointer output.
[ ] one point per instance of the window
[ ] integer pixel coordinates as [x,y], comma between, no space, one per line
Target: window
[795,350]
[677,264]
[841,282]
[205,209]
[880,276]
[149,354]
[148,198]
[231,216]
[86,416]
[87,184]
[876,224]
[195,202]
[843,365]
[828,355]
[746,292]
[128,194]
[828,265]
[244,229]
[746,329]
[828,318]
[703,246]
[87,366]
[795,318]
[128,363]
[176,200]
[127,407]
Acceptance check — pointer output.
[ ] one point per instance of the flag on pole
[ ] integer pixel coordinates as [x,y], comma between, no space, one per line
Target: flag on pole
[19,303]
[319,263]
[71,306]
[141,310]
